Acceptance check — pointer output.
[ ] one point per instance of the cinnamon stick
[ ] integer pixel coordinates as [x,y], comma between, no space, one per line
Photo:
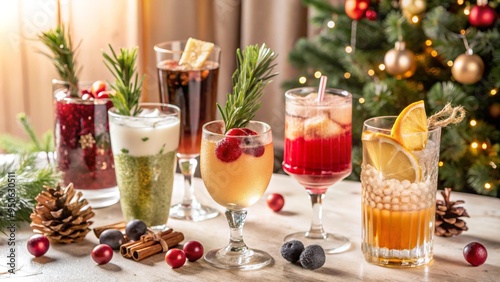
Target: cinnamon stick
[119,225]
[171,239]
[127,249]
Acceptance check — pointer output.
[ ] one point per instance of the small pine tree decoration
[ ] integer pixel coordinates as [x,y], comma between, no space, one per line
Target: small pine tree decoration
[440,40]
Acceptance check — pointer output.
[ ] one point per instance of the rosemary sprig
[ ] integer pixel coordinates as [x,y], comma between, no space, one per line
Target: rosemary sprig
[127,85]
[253,72]
[59,42]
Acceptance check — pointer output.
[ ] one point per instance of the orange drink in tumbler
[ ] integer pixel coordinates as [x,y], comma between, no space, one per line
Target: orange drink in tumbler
[399,181]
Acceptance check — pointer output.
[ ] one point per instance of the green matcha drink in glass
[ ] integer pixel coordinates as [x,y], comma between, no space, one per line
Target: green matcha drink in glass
[144,140]
[237,157]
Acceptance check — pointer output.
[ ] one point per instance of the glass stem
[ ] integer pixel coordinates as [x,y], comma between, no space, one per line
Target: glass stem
[236,220]
[188,167]
[316,231]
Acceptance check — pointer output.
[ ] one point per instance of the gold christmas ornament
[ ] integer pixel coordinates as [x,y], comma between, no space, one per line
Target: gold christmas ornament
[61,215]
[400,62]
[411,8]
[468,68]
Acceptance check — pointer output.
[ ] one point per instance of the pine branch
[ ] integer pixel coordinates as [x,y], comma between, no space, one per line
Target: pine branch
[127,85]
[253,72]
[30,179]
[62,55]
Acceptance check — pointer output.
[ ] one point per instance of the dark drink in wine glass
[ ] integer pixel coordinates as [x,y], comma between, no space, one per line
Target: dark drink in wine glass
[192,88]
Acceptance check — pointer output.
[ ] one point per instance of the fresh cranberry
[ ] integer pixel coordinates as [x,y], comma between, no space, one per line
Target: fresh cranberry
[275,201]
[475,253]
[102,254]
[228,149]
[193,250]
[38,245]
[175,258]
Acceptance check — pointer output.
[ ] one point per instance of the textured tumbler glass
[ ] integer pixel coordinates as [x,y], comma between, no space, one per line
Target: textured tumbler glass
[398,196]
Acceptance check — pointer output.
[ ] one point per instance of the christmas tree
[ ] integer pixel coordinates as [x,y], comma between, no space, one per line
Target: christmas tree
[391,53]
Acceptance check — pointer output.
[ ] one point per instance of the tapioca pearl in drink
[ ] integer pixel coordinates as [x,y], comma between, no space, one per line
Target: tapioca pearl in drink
[391,194]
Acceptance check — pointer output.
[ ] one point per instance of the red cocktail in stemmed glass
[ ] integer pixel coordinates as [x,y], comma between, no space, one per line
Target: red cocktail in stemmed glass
[317,153]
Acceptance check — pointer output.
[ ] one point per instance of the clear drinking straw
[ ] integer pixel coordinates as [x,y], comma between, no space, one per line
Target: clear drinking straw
[321,88]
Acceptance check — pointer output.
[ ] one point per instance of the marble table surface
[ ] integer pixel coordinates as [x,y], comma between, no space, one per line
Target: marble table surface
[265,230]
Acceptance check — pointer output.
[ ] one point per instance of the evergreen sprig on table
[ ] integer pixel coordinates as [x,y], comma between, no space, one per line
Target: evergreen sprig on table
[127,87]
[253,72]
[62,54]
[29,177]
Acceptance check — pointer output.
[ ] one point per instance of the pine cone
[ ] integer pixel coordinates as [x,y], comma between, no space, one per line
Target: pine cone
[448,222]
[61,216]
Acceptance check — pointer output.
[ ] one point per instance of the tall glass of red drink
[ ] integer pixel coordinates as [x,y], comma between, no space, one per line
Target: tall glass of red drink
[317,153]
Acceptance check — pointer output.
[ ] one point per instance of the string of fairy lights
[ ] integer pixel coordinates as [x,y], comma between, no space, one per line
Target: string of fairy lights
[476,145]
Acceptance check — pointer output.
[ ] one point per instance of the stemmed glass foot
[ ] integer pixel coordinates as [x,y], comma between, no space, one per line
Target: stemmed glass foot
[247,260]
[331,243]
[236,255]
[192,212]
[190,209]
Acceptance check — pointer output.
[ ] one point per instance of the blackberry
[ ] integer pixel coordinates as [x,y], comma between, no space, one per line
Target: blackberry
[312,257]
[291,250]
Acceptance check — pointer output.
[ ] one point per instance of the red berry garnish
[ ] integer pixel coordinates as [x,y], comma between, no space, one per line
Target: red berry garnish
[228,149]
[193,250]
[250,145]
[86,91]
[38,245]
[102,254]
[175,258]
[275,201]
[248,131]
[253,148]
[103,95]
[87,96]
[236,132]
[475,253]
[97,87]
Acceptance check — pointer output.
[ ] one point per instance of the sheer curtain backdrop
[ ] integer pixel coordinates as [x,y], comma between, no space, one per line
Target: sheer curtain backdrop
[25,77]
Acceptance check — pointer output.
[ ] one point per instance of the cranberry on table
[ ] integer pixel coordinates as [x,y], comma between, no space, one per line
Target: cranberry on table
[193,250]
[102,254]
[275,201]
[475,253]
[38,245]
[175,258]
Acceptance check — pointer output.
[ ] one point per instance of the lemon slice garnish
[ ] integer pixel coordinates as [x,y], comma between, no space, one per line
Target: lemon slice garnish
[195,53]
[390,157]
[411,128]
